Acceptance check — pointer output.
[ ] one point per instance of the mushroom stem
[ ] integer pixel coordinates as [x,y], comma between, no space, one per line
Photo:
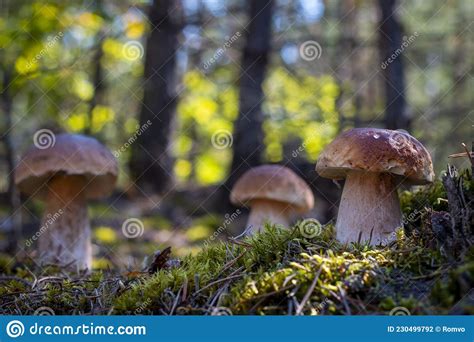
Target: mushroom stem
[65,234]
[369,206]
[262,211]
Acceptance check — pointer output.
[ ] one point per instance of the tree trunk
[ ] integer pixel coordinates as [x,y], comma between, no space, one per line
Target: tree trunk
[13,195]
[248,133]
[391,39]
[150,163]
[98,77]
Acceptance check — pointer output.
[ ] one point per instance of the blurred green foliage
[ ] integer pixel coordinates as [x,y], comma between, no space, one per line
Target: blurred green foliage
[50,48]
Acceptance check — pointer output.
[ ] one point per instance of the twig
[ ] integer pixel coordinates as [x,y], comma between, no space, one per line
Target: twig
[344,301]
[300,307]
[231,263]
[185,290]
[218,281]
[175,303]
[469,155]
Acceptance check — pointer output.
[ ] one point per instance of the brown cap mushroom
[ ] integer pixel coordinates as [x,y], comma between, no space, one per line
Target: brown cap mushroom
[273,192]
[373,162]
[68,173]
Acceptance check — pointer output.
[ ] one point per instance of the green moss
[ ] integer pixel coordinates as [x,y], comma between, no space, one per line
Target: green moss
[432,196]
[265,270]
[6,263]
[272,272]
[455,292]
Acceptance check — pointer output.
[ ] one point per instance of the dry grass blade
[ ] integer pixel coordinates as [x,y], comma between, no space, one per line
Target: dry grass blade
[306,297]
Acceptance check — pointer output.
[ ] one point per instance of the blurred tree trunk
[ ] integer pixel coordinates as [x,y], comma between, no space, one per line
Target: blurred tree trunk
[150,163]
[98,76]
[248,133]
[13,195]
[391,39]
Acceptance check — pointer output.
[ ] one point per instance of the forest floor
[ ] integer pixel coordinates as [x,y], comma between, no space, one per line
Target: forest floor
[429,269]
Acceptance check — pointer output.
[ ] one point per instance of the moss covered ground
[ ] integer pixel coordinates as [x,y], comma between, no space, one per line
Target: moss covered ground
[276,272]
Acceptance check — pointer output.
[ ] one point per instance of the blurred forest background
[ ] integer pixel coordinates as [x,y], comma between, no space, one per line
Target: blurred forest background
[188,94]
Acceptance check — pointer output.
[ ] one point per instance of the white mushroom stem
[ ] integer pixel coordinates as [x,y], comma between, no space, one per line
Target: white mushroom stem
[265,211]
[65,234]
[369,205]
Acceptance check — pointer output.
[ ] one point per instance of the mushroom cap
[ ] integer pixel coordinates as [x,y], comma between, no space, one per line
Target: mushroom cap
[71,154]
[376,150]
[274,183]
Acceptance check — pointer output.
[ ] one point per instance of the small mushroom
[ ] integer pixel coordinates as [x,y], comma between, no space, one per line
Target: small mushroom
[374,163]
[273,193]
[76,168]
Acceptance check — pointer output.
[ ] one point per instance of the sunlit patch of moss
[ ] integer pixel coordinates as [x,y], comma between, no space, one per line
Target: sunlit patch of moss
[338,274]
